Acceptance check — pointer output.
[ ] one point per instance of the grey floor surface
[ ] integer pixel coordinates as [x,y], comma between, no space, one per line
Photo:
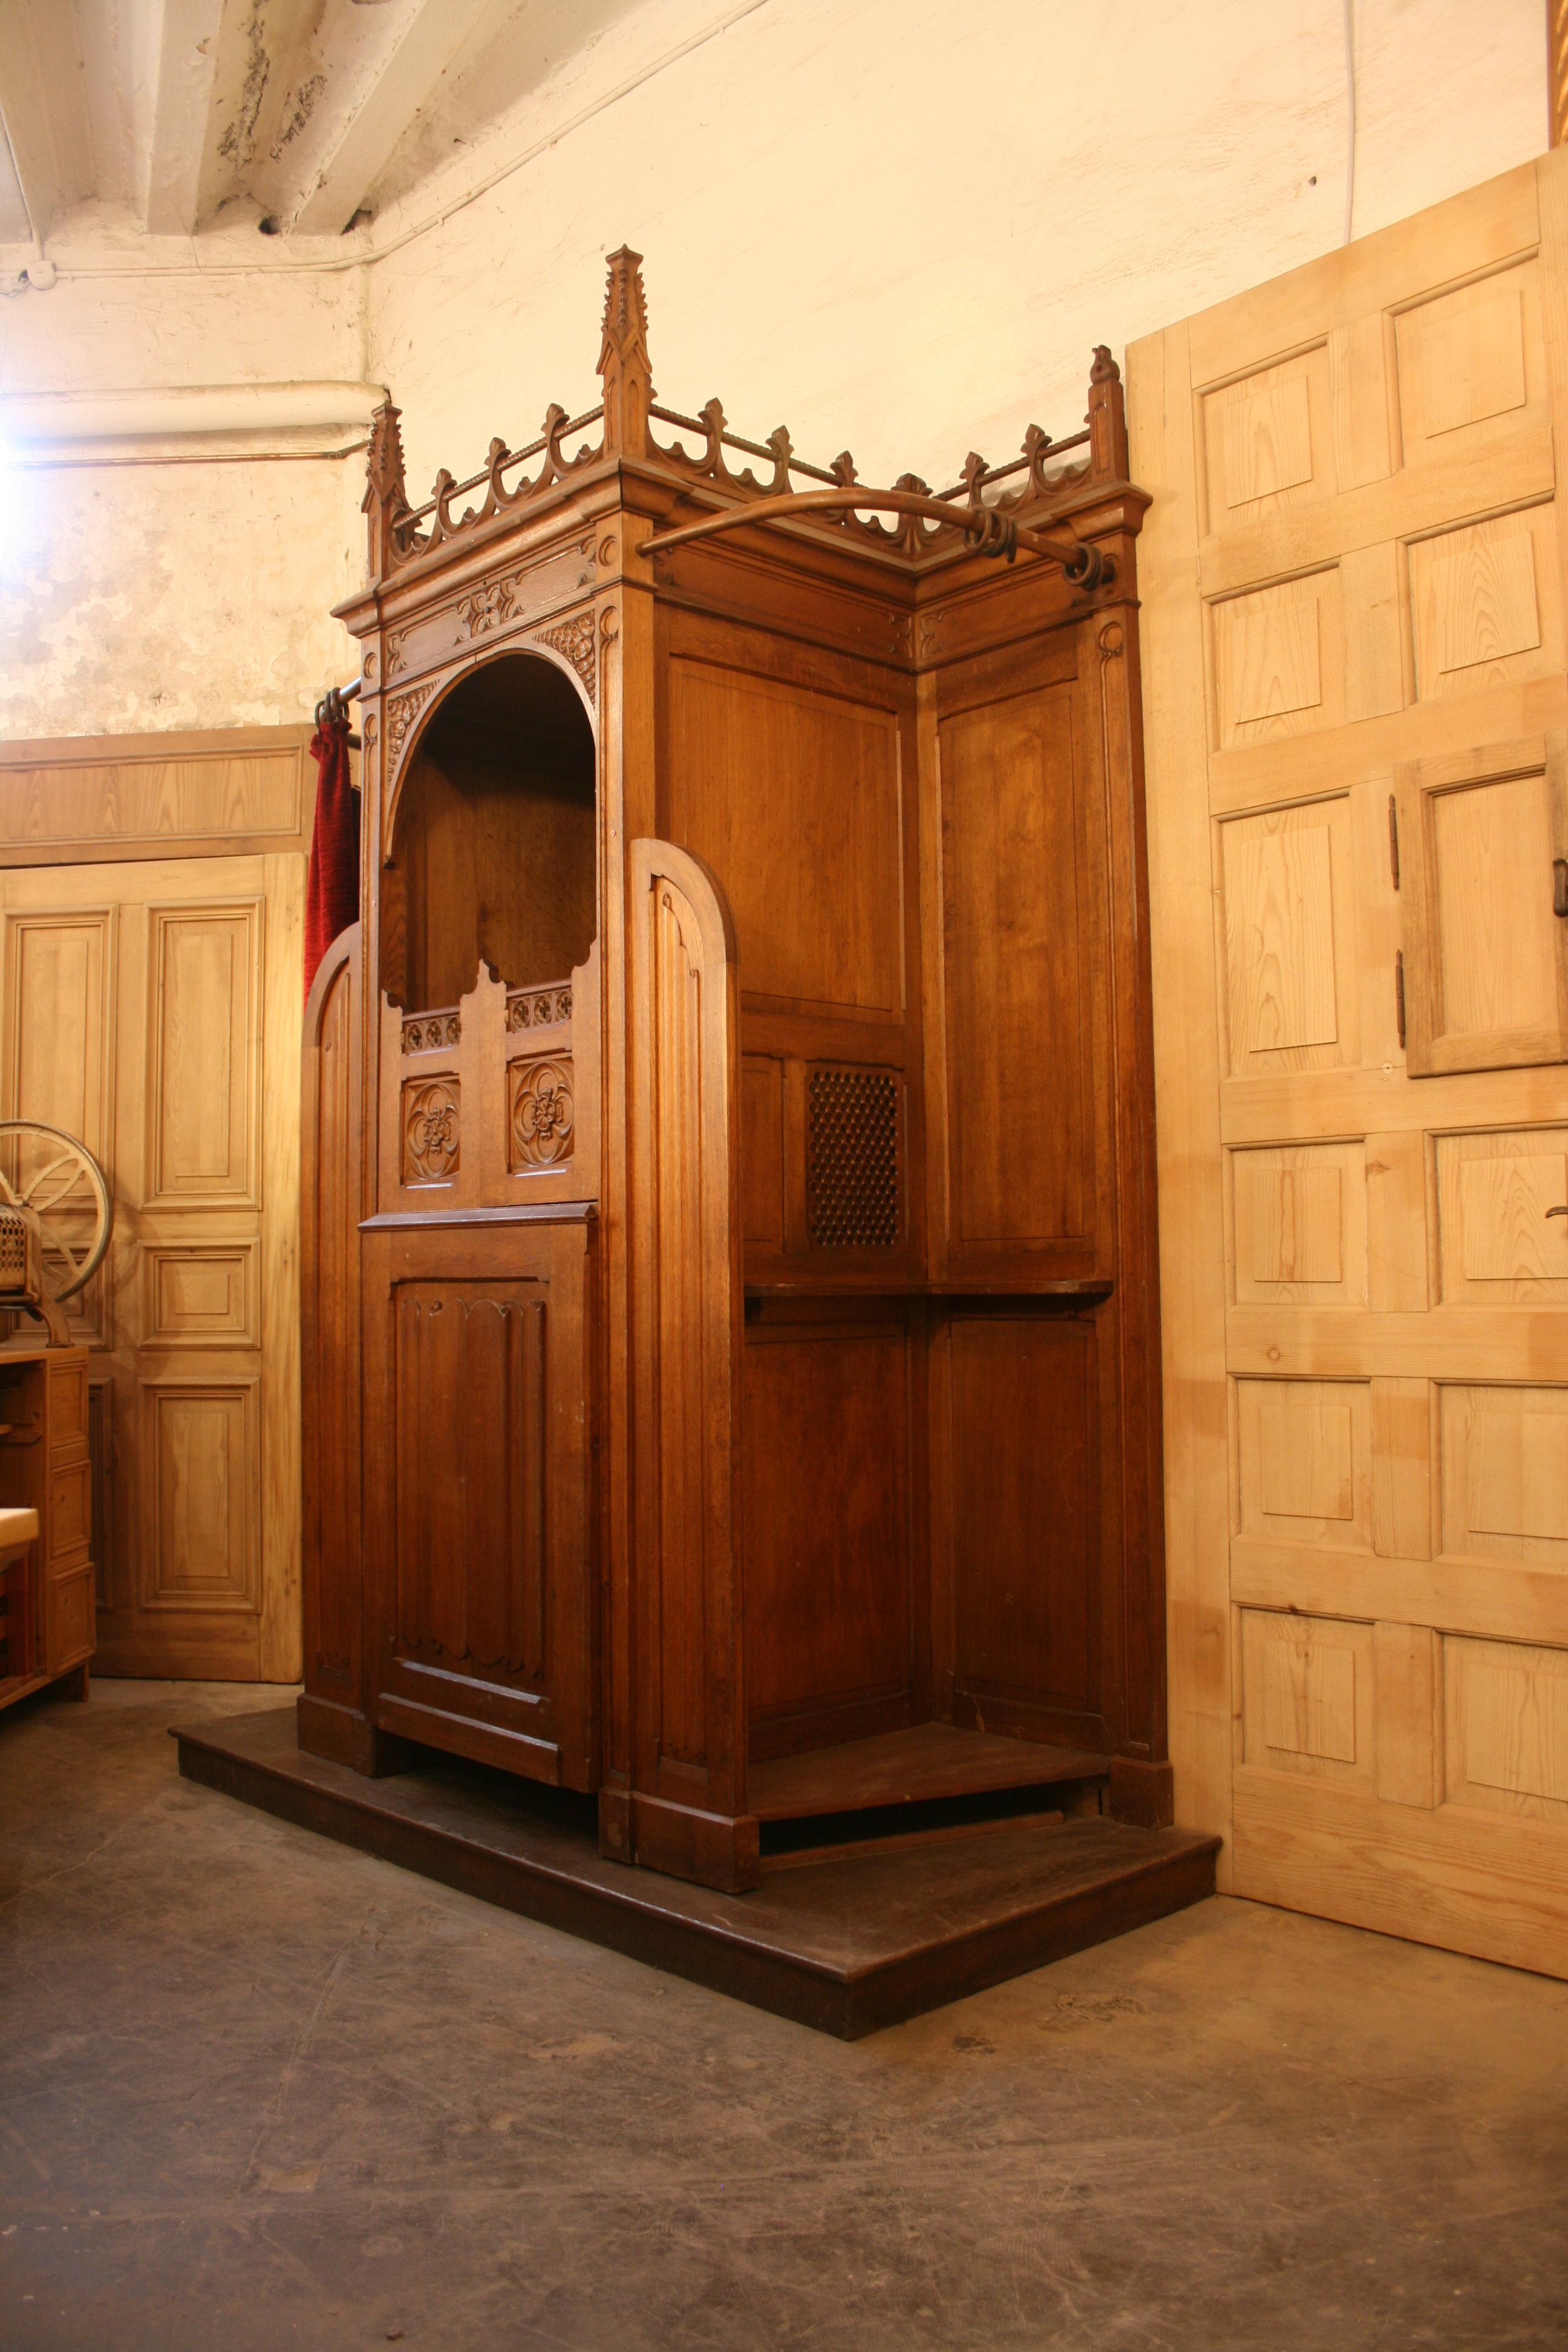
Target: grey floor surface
[258,2091]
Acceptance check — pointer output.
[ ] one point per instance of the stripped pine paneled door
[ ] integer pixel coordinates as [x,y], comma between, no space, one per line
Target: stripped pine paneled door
[1352,580]
[149,1004]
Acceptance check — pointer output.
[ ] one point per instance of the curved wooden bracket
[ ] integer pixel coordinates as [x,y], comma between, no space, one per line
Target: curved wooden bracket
[986,529]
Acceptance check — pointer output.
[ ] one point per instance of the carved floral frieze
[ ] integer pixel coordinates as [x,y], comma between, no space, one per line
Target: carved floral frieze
[430,1030]
[538,1008]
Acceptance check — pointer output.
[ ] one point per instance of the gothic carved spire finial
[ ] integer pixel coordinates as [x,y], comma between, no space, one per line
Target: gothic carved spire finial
[624,365]
[386,500]
[1106,419]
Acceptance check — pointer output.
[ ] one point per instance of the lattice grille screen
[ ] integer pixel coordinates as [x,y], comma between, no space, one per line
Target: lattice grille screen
[852,1160]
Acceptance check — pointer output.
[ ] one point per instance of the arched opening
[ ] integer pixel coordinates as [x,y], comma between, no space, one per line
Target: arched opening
[492,858]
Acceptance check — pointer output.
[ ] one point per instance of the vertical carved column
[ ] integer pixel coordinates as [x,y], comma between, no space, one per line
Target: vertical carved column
[386,500]
[1106,419]
[1556,72]
[685,1811]
[625,368]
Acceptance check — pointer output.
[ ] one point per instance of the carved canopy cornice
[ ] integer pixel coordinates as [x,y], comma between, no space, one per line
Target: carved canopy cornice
[985,510]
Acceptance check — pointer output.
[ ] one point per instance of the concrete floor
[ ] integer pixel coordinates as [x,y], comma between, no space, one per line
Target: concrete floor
[258,2091]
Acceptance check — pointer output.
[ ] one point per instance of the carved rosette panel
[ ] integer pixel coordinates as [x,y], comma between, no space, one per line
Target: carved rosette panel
[538,1008]
[401,713]
[430,1030]
[577,641]
[432,1130]
[540,1119]
[489,606]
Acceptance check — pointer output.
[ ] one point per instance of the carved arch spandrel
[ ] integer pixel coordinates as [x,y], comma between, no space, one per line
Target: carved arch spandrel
[689,1746]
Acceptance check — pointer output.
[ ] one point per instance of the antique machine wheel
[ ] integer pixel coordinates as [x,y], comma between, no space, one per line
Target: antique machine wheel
[56,1215]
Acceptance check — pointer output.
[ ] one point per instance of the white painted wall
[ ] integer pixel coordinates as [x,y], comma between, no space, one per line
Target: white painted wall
[894,224]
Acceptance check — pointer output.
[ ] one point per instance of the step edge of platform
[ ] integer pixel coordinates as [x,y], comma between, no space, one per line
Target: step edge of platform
[846,1999]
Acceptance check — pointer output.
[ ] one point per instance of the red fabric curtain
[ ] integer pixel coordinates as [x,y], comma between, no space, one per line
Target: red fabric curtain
[332,893]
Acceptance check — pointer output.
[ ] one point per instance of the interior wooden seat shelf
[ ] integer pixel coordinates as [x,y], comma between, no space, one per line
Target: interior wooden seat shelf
[730,1351]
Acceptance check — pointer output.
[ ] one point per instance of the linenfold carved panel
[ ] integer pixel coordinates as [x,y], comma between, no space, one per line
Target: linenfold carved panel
[540,1119]
[432,1130]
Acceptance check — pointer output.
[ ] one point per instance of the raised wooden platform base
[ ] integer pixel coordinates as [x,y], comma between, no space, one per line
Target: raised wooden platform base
[845,1941]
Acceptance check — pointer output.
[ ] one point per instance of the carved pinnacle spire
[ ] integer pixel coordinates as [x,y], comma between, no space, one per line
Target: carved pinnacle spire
[1106,419]
[624,365]
[386,500]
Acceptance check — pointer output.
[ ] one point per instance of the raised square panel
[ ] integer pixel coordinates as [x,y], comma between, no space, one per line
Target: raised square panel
[1498,1244]
[201,1296]
[1303,1461]
[1483,603]
[1505,1473]
[1267,442]
[1287,898]
[1485,973]
[1277,660]
[1507,1709]
[70,1511]
[1465,358]
[1298,1225]
[203,1109]
[198,1473]
[1307,1694]
[59,1027]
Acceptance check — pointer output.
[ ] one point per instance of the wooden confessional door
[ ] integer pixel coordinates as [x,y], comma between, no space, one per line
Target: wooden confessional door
[1352,583]
[153,1009]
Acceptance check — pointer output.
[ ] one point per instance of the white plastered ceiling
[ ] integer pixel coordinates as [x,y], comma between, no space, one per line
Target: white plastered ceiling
[898,225]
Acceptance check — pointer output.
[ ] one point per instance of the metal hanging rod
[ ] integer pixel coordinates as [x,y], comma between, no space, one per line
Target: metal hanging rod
[986,531]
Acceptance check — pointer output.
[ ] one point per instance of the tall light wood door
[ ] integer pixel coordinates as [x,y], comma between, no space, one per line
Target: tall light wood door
[1354,586]
[153,1009]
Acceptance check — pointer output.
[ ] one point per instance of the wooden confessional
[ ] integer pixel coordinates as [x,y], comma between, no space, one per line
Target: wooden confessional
[730,1353]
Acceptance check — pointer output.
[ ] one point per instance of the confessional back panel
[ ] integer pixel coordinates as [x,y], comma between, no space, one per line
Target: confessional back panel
[494,873]
[834,1613]
[1027,1570]
[793,796]
[1023,967]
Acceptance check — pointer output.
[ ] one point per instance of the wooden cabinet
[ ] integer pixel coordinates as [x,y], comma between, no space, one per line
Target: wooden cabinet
[729,1257]
[45,1593]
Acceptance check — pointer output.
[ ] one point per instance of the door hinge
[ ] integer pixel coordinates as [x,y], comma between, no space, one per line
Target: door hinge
[1399,993]
[1393,839]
